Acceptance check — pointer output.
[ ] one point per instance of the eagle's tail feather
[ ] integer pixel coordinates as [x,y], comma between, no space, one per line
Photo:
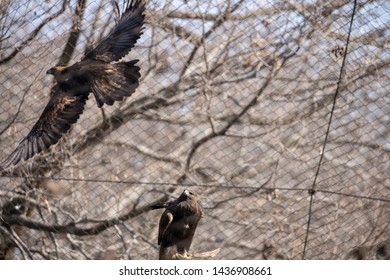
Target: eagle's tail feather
[120,80]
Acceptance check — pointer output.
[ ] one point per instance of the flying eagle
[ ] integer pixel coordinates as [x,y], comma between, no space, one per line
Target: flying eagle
[96,73]
[178,224]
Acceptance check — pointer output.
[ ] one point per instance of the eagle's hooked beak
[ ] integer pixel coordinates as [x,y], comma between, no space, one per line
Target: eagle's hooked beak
[50,71]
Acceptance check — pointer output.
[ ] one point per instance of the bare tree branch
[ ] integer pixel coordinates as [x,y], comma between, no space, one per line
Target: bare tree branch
[74,228]
[33,34]
[74,33]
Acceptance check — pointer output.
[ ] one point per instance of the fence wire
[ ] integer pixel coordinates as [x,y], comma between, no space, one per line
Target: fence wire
[276,113]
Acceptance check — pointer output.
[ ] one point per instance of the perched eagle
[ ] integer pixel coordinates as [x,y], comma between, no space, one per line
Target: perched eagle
[178,224]
[96,73]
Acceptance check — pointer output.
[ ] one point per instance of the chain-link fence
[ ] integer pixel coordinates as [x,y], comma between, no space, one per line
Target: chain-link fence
[276,113]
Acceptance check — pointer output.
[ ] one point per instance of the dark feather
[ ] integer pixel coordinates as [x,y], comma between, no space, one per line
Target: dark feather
[95,73]
[114,82]
[56,119]
[178,224]
[123,37]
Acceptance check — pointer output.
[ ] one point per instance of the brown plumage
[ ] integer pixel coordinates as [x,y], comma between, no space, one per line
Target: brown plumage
[178,224]
[109,82]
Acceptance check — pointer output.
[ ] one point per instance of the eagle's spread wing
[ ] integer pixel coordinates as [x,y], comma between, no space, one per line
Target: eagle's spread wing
[60,113]
[94,73]
[123,37]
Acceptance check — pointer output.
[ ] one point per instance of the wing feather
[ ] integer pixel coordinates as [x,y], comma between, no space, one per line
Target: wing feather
[60,113]
[114,82]
[123,37]
[69,96]
[165,221]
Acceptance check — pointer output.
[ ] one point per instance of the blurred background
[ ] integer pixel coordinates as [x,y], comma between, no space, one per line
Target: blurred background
[276,113]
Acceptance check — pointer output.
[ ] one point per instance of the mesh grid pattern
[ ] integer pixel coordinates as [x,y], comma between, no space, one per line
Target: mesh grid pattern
[276,113]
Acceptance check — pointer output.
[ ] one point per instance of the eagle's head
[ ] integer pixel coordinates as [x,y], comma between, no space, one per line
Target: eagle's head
[187,195]
[60,73]
[55,71]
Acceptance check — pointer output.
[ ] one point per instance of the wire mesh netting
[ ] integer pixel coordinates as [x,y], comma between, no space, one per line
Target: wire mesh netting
[276,113]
